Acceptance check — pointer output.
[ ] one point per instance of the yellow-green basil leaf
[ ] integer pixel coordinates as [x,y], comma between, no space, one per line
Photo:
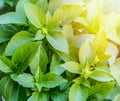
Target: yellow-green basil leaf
[67,13]
[39,35]
[35,15]
[72,67]
[100,44]
[43,4]
[101,76]
[86,53]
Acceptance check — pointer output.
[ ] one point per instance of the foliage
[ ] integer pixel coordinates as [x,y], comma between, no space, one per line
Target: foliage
[59,50]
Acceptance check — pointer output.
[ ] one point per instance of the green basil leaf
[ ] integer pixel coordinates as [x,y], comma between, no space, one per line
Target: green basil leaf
[6,86]
[43,4]
[86,53]
[20,6]
[63,96]
[117,98]
[55,65]
[43,59]
[100,44]
[38,85]
[18,93]
[78,93]
[2,48]
[39,35]
[16,41]
[102,67]
[40,60]
[5,65]
[101,90]
[51,80]
[72,67]
[58,42]
[74,52]
[68,32]
[12,17]
[25,79]
[115,70]
[36,96]
[4,36]
[35,15]
[24,54]
[101,76]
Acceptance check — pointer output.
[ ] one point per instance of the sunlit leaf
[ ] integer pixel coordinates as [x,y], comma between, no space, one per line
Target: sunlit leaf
[101,76]
[35,15]
[67,13]
[72,67]
[86,53]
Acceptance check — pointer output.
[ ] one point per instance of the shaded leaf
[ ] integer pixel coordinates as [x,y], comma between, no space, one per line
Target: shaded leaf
[18,93]
[4,36]
[101,90]
[24,54]
[36,96]
[6,86]
[51,80]
[16,41]
[63,96]
[5,65]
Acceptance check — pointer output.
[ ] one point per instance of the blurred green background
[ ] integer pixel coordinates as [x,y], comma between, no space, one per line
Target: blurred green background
[7,6]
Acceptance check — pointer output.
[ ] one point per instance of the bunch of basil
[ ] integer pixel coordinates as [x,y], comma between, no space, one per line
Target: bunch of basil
[59,50]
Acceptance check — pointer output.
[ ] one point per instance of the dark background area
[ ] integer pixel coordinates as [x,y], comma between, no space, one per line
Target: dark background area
[7,6]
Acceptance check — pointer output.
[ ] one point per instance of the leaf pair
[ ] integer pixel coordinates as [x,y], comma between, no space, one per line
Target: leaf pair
[63,14]
[86,55]
[49,80]
[20,59]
